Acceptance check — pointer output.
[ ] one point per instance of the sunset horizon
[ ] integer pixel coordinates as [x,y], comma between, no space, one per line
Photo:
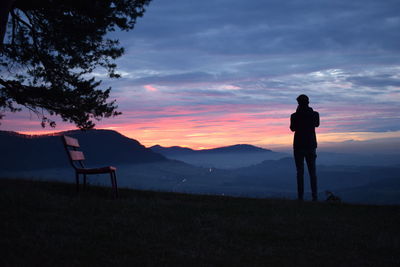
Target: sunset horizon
[325,141]
[200,78]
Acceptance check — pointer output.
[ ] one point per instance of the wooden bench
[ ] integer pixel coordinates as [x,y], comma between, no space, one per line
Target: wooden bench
[76,159]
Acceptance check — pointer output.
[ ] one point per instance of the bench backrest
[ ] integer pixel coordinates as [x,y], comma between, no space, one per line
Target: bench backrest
[75,156]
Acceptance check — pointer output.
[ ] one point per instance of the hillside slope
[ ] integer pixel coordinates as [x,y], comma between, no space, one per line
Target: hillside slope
[20,152]
[48,224]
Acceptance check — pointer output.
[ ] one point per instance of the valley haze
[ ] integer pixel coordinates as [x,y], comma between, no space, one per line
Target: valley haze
[238,170]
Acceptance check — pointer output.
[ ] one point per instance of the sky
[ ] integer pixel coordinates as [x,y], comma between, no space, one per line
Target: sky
[211,73]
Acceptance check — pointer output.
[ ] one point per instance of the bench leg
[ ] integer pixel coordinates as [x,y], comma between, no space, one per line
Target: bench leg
[84,181]
[77,181]
[114,184]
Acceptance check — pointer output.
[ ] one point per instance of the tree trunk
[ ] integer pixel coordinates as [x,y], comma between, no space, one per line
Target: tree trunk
[5,8]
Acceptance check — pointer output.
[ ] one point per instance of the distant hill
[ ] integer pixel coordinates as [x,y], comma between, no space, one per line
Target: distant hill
[366,147]
[353,159]
[240,148]
[173,150]
[226,157]
[24,152]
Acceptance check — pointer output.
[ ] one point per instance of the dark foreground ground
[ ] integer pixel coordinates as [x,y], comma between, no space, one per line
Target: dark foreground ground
[48,224]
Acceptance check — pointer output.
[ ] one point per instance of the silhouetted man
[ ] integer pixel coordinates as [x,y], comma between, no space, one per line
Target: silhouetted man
[303,123]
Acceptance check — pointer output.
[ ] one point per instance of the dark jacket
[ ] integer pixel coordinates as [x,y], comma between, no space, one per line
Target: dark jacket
[303,123]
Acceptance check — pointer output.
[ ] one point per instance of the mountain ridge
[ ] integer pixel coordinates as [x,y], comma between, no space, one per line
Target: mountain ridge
[237,148]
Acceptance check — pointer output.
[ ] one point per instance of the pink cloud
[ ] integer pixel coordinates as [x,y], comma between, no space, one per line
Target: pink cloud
[150,88]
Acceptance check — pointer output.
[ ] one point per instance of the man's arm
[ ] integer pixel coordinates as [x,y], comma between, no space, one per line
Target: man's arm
[292,123]
[316,119]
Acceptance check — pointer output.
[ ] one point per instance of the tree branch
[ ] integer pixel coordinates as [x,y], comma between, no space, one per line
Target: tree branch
[5,8]
[21,20]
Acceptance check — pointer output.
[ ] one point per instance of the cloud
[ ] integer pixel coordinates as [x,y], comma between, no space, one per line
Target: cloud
[150,88]
[377,81]
[186,77]
[237,27]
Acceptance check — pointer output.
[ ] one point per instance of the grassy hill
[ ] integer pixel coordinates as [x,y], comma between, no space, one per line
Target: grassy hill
[49,224]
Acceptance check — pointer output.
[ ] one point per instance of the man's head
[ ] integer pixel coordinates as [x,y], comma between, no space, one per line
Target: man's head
[302,100]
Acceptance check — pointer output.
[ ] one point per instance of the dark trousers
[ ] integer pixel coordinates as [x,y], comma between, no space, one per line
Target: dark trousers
[309,155]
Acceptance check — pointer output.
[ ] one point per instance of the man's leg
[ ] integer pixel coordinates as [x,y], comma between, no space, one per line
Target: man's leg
[299,160]
[310,159]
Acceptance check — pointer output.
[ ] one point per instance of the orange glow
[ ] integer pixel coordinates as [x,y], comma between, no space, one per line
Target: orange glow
[185,128]
[36,132]
[183,133]
[201,127]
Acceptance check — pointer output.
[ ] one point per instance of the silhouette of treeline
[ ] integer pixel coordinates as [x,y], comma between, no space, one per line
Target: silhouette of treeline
[23,152]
